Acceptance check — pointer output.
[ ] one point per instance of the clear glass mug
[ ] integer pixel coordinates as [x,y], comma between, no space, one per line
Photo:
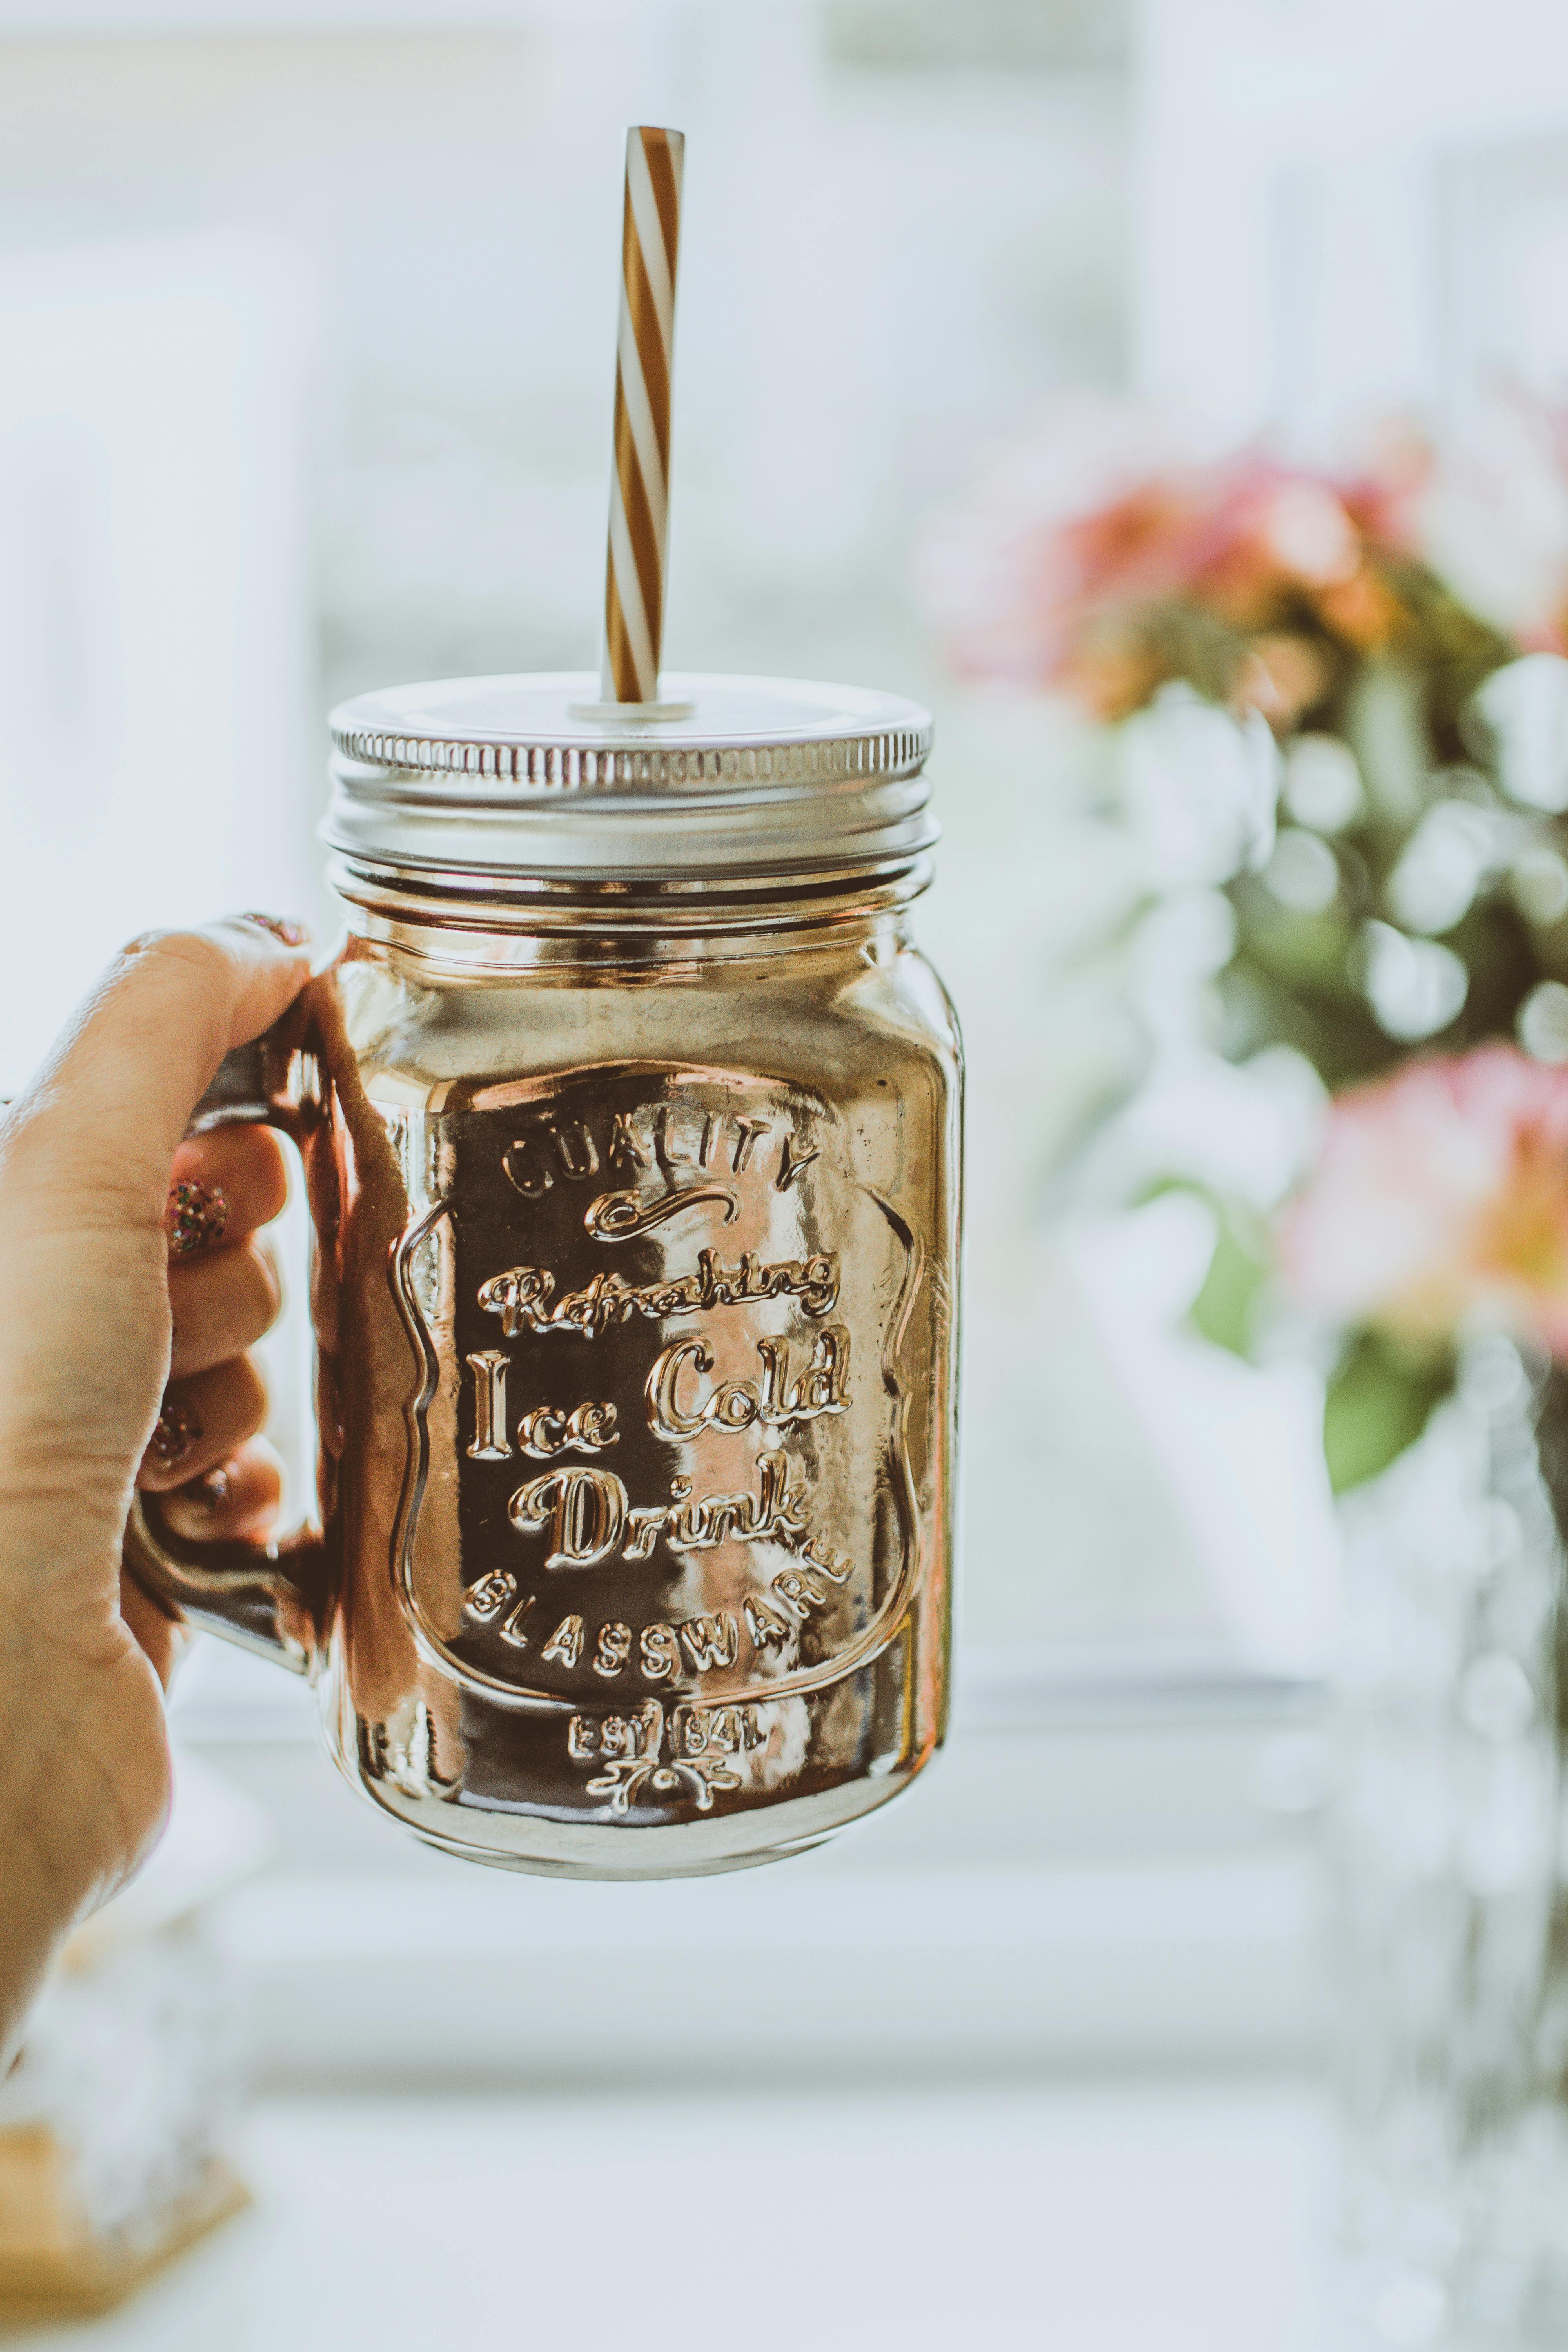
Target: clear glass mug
[629,1119]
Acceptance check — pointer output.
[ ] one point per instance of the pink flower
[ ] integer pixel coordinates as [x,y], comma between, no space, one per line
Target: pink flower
[1440,1194]
[1004,572]
[1109,512]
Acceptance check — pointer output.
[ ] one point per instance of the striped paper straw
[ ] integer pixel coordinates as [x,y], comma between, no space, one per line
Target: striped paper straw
[640,484]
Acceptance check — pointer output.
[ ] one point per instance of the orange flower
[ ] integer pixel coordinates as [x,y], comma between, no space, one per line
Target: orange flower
[1286,677]
[1363,610]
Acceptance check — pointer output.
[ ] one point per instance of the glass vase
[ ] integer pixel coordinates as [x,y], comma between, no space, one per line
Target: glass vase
[1452,1930]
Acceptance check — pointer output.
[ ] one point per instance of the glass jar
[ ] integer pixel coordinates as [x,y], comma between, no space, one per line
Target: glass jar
[630,1121]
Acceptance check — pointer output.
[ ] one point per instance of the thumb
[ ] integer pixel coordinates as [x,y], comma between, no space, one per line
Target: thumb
[96,1130]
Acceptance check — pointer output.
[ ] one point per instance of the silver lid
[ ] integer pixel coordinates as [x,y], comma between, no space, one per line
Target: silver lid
[528,776]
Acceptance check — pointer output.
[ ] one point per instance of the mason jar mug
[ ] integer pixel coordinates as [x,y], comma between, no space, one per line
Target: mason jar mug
[629,1120]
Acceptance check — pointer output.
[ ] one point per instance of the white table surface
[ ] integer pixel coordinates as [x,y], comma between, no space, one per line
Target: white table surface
[1187,2215]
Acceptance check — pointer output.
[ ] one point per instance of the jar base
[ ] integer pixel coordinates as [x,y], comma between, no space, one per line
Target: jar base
[543,1847]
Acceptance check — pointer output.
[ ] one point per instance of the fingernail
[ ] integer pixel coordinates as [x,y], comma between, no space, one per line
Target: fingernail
[174,1433]
[210,1491]
[282,927]
[195,1218]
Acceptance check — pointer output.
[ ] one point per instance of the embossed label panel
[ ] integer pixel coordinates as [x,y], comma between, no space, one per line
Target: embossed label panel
[657,1468]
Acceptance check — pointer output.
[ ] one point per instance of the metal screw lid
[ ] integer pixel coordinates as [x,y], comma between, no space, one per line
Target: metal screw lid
[526,776]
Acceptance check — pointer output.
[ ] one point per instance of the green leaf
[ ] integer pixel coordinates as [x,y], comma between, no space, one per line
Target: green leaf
[1379,1400]
[1225,1308]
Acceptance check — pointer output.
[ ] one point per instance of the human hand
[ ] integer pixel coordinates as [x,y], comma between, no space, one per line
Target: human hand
[131,1286]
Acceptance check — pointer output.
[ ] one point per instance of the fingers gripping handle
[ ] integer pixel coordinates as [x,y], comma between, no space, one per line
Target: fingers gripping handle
[265,1596]
[252,1085]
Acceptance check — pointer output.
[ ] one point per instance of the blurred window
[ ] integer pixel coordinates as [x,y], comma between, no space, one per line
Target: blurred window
[314,338]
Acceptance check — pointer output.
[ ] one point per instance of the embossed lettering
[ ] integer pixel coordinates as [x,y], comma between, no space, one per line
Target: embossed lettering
[723,1516]
[823,1389]
[510,1627]
[625,1151]
[748,1552]
[747,1132]
[782,1509]
[828,1563]
[694,1770]
[614,1647]
[541,1433]
[630,1747]
[654,1651]
[781,1400]
[575,1149]
[588,1514]
[593,1427]
[664,1412]
[685,1522]
[791,1162]
[764,1625]
[666,1151]
[517,1297]
[489,1596]
[617,1735]
[524,1296]
[526,1168]
[643,1526]
[490,1368]
[714,1730]
[585,1511]
[657,1656]
[546,1432]
[676,1134]
[709,1642]
[565,1644]
[800,1589]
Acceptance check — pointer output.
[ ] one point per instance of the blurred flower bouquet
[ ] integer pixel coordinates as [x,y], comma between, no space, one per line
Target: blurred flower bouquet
[1333,718]
[1335,711]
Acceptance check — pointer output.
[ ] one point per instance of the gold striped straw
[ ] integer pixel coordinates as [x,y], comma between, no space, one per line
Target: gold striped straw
[639,483]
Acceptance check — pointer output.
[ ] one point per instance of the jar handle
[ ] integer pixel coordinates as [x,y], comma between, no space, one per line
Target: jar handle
[267,1597]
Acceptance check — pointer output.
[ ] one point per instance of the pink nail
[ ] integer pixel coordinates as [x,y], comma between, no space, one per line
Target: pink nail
[282,927]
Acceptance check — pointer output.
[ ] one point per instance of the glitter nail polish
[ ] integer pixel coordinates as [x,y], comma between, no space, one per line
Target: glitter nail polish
[196,1217]
[174,1433]
[211,1491]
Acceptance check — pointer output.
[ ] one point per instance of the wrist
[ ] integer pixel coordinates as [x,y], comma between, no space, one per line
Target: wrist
[36,1917]
[48,1877]
[77,1811]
